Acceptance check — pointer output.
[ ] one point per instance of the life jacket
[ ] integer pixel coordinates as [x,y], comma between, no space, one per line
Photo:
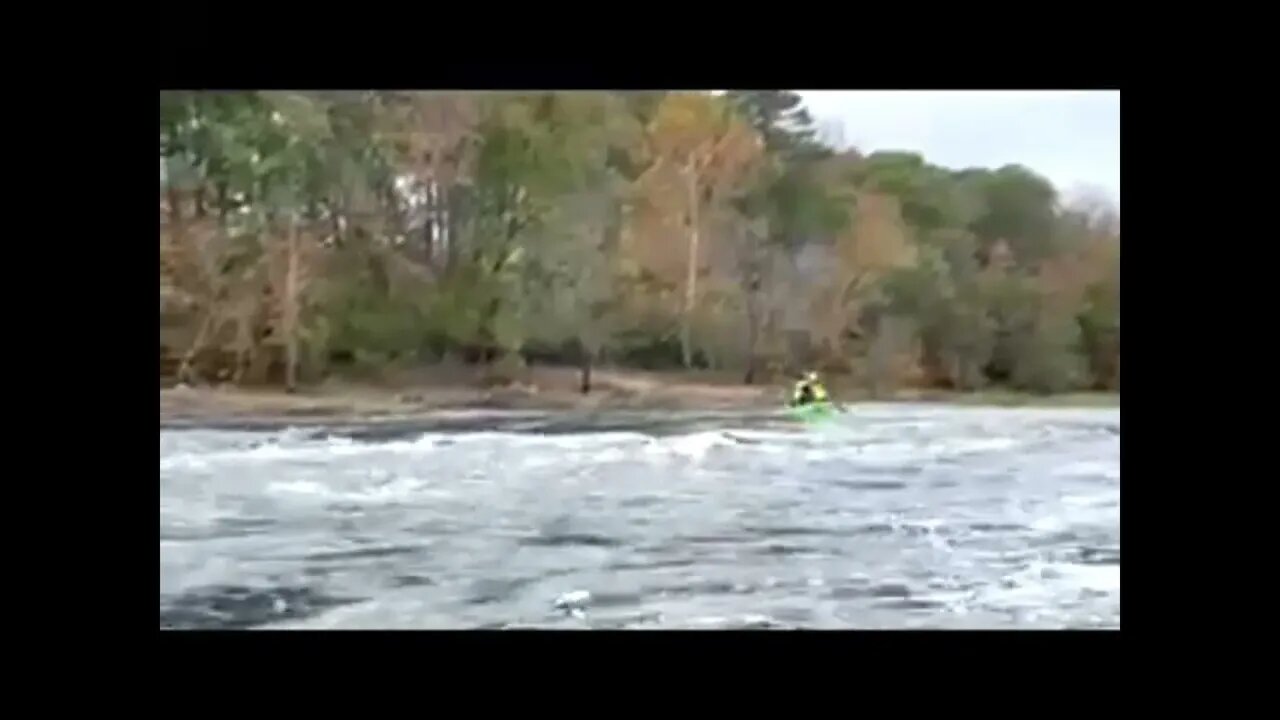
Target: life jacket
[809,391]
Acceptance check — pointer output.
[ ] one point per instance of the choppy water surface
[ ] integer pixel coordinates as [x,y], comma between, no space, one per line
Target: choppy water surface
[891,517]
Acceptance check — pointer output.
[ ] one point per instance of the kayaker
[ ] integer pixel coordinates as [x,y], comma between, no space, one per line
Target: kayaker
[809,390]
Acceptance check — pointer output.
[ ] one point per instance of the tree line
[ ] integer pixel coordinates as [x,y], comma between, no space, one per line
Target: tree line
[306,233]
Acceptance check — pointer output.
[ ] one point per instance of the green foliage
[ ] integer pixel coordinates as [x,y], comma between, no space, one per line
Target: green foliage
[1019,209]
[362,317]
[790,196]
[1099,321]
[537,234]
[1047,359]
[947,304]
[782,121]
[933,198]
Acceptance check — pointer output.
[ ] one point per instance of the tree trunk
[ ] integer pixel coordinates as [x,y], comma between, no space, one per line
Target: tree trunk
[290,315]
[584,365]
[244,360]
[184,368]
[752,273]
[453,223]
[488,331]
[175,205]
[753,332]
[222,202]
[429,224]
[335,226]
[691,281]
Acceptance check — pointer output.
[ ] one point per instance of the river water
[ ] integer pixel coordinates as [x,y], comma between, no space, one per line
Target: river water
[892,516]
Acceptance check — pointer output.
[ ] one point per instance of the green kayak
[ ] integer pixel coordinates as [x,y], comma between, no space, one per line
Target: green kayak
[813,412]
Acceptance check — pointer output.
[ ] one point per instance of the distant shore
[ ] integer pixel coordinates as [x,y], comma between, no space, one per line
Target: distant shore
[548,390]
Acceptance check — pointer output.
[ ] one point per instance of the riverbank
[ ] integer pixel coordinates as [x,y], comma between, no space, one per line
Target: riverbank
[551,390]
[432,394]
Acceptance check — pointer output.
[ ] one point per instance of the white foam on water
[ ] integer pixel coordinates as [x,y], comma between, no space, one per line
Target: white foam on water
[1087,468]
[183,568]
[977,445]
[724,621]
[299,487]
[574,599]
[488,490]
[292,446]
[267,453]
[1099,578]
[888,453]
[694,446]
[366,615]
[401,488]
[1096,500]
[184,461]
[397,489]
[764,441]
[1052,589]
[896,452]
[1049,523]
[611,454]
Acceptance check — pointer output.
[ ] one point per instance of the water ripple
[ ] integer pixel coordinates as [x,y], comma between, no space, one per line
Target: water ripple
[894,516]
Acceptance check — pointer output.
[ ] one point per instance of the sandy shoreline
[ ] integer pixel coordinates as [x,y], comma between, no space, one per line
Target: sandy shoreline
[552,391]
